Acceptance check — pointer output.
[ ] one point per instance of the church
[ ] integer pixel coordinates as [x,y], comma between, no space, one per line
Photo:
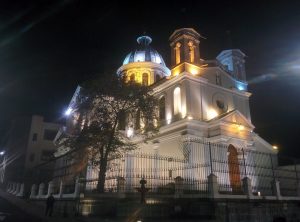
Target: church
[204,117]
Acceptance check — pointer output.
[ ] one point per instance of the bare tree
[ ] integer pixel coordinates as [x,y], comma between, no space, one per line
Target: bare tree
[106,108]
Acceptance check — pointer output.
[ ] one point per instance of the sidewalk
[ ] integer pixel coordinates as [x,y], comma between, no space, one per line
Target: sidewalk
[34,209]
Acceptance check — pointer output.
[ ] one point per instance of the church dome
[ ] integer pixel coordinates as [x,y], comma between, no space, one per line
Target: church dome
[144,53]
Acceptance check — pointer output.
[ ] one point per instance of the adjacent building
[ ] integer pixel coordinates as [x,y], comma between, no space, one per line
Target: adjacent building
[28,143]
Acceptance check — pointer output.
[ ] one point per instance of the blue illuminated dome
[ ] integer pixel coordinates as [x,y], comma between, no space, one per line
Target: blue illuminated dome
[144,53]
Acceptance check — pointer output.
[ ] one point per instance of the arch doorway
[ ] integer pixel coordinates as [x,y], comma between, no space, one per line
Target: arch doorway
[234,170]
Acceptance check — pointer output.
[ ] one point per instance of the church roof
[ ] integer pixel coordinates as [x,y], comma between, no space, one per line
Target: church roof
[233,116]
[144,53]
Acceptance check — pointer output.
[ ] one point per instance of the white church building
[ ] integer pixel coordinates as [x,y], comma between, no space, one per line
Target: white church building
[205,121]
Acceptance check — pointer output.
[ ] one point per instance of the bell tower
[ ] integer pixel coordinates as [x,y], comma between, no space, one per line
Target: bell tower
[185,47]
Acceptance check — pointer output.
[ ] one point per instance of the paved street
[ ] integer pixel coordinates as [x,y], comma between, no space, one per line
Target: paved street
[10,213]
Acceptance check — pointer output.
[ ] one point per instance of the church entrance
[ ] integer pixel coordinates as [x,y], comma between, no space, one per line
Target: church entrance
[234,170]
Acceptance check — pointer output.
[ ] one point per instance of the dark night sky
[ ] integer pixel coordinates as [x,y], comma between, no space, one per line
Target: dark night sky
[48,47]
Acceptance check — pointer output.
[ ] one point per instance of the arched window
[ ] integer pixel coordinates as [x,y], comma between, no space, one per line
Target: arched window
[177,53]
[145,79]
[191,51]
[137,122]
[122,120]
[132,78]
[177,100]
[162,108]
[234,169]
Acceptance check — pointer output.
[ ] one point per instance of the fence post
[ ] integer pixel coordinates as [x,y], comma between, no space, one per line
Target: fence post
[14,188]
[8,188]
[17,189]
[213,186]
[211,164]
[276,189]
[32,193]
[297,179]
[275,183]
[77,188]
[178,186]
[41,190]
[21,192]
[121,186]
[247,187]
[50,188]
[61,189]
[245,170]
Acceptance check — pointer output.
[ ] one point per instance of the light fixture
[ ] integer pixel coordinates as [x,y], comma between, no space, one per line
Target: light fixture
[68,111]
[129,132]
[241,127]
[212,113]
[2,153]
[275,147]
[193,71]
[258,193]
[169,118]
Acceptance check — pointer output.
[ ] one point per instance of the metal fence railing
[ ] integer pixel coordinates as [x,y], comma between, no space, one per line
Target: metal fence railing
[197,160]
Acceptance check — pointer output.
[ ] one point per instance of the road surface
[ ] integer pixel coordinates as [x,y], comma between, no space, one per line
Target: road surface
[10,213]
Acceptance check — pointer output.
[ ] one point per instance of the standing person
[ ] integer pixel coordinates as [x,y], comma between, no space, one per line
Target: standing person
[49,205]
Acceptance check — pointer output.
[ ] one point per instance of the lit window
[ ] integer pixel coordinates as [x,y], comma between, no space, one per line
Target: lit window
[177,53]
[192,51]
[177,101]
[145,79]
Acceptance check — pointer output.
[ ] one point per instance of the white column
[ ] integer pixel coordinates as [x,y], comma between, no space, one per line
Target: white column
[33,191]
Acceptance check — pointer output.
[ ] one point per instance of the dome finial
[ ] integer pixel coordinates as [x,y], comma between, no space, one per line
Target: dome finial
[144,40]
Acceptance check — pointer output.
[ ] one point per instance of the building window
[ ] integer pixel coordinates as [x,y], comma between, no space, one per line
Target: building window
[191,51]
[49,134]
[177,100]
[46,155]
[162,107]
[177,53]
[132,78]
[34,137]
[145,79]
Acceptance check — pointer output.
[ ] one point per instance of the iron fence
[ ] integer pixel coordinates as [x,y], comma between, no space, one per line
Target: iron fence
[190,170]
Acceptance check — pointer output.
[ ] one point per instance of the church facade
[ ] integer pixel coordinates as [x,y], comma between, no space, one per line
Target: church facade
[204,118]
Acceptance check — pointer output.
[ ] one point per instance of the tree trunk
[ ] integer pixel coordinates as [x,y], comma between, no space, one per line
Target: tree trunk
[101,176]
